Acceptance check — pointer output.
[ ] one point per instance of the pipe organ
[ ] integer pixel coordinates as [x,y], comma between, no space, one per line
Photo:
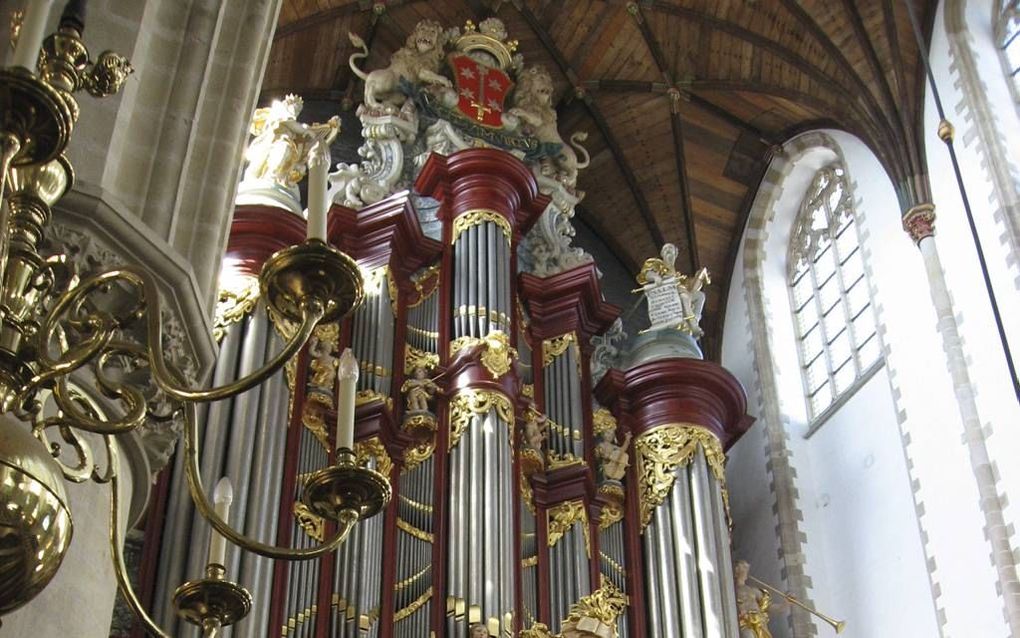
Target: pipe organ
[530,497]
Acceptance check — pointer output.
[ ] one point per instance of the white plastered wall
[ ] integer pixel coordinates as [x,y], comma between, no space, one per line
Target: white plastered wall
[880,506]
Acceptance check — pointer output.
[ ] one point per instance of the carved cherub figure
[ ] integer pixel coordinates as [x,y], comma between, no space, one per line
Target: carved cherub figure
[753,605]
[279,151]
[692,299]
[323,364]
[417,62]
[532,103]
[419,390]
[536,428]
[478,630]
[614,458]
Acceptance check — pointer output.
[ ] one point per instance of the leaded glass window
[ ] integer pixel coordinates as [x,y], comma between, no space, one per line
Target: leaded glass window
[830,296]
[1007,33]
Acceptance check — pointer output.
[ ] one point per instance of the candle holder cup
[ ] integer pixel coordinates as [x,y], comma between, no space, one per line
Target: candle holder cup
[346,489]
[311,270]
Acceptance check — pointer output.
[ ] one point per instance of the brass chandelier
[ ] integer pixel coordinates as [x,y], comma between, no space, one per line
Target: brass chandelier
[53,325]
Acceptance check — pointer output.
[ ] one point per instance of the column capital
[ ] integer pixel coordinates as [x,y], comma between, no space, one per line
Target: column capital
[919,222]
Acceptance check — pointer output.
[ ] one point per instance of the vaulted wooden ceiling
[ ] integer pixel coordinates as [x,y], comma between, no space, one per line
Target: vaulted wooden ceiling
[684,101]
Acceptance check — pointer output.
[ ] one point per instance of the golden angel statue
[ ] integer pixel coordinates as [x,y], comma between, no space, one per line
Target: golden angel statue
[675,300]
[279,151]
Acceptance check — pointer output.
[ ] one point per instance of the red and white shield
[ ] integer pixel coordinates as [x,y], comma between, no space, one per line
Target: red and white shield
[480,90]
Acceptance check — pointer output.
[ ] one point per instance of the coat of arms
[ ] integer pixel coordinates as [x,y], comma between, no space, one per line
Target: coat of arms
[481,89]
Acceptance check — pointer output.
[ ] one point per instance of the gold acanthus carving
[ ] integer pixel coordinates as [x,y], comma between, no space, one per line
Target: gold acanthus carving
[312,524]
[563,516]
[665,448]
[234,304]
[373,449]
[612,507]
[415,358]
[312,417]
[472,402]
[415,456]
[497,353]
[429,274]
[596,613]
[552,348]
[480,216]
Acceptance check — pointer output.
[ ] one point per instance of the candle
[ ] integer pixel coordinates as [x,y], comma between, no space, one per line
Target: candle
[318,166]
[348,374]
[33,29]
[223,495]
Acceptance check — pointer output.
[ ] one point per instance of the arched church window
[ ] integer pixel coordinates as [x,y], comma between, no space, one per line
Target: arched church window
[831,300]
[1007,32]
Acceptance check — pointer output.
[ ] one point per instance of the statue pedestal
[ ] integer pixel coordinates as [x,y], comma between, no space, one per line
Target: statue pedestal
[664,343]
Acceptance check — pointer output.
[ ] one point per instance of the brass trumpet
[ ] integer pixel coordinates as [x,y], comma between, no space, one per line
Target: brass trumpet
[838,625]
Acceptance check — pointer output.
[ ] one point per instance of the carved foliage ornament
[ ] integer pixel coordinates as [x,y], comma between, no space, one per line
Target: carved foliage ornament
[563,516]
[234,303]
[919,222]
[596,613]
[480,216]
[373,449]
[552,348]
[470,403]
[661,451]
[415,358]
[497,354]
[312,524]
[415,456]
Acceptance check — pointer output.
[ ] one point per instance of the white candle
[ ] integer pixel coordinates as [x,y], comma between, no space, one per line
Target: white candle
[223,495]
[348,374]
[33,30]
[318,166]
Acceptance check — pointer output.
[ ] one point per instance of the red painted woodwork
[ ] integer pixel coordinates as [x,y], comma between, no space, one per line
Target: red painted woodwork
[483,179]
[677,390]
[384,233]
[567,301]
[257,232]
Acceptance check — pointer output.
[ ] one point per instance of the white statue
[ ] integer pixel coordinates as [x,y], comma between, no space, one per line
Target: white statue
[674,300]
[417,62]
[278,155]
[614,458]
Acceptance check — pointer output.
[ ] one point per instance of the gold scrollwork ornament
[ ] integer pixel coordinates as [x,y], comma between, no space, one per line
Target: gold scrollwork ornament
[563,516]
[470,403]
[480,216]
[664,449]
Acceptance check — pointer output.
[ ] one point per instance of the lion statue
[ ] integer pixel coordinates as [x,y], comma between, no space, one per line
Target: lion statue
[417,62]
[532,103]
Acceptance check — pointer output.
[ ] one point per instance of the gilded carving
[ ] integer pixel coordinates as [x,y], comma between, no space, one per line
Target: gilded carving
[420,534]
[612,505]
[664,449]
[603,421]
[563,516]
[471,402]
[595,614]
[235,303]
[552,348]
[415,358]
[497,353]
[372,448]
[417,604]
[476,217]
[415,456]
[312,524]
[313,418]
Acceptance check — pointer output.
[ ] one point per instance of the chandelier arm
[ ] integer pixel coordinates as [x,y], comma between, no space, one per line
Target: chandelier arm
[312,310]
[131,397]
[348,518]
[116,542]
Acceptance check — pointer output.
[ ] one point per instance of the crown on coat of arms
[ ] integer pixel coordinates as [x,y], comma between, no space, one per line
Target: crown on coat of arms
[489,36]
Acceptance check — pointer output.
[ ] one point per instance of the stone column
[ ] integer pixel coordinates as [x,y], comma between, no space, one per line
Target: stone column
[684,413]
[919,222]
[489,199]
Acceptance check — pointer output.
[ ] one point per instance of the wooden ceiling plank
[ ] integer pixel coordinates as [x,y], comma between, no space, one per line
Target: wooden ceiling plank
[597,117]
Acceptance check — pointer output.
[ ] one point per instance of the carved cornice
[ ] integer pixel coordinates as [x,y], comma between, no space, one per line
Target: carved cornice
[663,450]
[384,233]
[567,301]
[483,179]
[678,390]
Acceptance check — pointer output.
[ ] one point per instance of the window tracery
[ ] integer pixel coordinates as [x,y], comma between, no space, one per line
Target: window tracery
[1007,39]
[830,297]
